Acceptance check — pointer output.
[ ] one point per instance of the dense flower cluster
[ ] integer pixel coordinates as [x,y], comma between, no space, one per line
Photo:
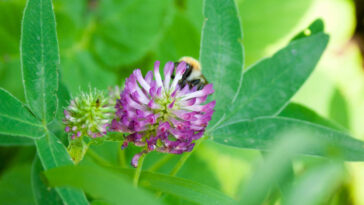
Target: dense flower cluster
[159,114]
[88,115]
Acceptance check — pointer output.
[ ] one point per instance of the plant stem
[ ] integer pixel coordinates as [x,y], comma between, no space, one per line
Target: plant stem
[160,163]
[138,171]
[184,158]
[121,157]
[99,160]
[181,162]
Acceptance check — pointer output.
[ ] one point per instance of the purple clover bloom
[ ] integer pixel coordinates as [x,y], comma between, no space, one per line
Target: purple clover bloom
[159,114]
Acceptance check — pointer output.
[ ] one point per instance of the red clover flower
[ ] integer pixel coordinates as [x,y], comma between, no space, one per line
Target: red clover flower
[159,114]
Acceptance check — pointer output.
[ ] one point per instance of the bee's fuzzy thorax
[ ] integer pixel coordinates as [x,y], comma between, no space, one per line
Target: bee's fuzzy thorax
[193,62]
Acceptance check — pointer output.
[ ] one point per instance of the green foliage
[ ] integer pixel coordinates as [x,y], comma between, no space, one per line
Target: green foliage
[82,71]
[6,140]
[182,188]
[42,193]
[172,45]
[100,184]
[339,109]
[52,153]
[40,58]
[326,179]
[221,52]
[101,42]
[261,132]
[16,119]
[269,85]
[133,25]
[10,16]
[266,22]
[15,186]
[300,112]
[186,189]
[275,169]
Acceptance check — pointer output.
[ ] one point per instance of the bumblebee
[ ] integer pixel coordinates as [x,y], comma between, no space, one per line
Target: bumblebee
[193,75]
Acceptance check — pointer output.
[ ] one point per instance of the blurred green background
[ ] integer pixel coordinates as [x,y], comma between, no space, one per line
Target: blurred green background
[102,41]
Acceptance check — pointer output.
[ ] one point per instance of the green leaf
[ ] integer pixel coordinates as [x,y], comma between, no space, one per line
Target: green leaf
[316,27]
[271,83]
[99,202]
[16,119]
[100,184]
[42,193]
[40,58]
[183,188]
[260,133]
[300,112]
[6,140]
[52,153]
[221,53]
[57,126]
[128,29]
[63,100]
[15,187]
[317,185]
[339,109]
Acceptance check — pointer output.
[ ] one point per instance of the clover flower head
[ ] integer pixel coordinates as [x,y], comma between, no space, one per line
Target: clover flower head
[160,115]
[89,114]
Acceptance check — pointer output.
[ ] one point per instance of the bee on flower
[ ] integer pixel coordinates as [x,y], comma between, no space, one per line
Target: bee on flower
[164,115]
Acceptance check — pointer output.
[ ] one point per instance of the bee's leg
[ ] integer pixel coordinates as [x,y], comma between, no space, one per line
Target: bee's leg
[198,83]
[174,69]
[193,83]
[200,86]
[182,83]
[188,71]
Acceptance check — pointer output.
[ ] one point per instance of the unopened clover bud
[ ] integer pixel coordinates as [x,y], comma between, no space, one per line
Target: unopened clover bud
[88,114]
